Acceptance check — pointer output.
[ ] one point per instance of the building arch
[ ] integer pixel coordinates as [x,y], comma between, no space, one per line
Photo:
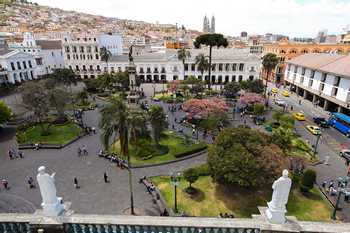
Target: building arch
[316,50]
[304,51]
[292,51]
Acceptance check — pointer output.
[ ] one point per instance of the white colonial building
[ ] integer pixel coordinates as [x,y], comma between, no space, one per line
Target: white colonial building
[48,54]
[323,79]
[228,65]
[16,66]
[82,52]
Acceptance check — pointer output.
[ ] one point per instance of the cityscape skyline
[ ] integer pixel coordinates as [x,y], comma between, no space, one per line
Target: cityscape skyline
[255,17]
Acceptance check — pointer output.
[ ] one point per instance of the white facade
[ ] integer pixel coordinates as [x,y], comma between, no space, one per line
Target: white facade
[17,67]
[319,85]
[47,53]
[228,65]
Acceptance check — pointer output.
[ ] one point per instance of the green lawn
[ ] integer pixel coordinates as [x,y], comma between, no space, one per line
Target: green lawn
[59,134]
[171,144]
[213,199]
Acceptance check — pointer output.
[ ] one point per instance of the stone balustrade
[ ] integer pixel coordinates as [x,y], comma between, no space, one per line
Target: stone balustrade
[78,223]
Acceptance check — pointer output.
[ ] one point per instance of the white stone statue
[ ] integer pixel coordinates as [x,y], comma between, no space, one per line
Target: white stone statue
[277,206]
[52,205]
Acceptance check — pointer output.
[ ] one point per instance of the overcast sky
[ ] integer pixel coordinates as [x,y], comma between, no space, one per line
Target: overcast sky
[288,17]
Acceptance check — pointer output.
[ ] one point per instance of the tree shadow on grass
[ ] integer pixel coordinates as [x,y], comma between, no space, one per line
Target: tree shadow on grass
[242,201]
[7,133]
[197,196]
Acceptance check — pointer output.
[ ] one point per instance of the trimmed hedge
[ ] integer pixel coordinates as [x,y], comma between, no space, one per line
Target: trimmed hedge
[189,152]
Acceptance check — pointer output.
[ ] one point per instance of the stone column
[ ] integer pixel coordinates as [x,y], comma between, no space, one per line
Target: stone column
[325,106]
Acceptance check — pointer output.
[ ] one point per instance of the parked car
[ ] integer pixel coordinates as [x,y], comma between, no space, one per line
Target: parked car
[285,93]
[280,102]
[299,116]
[321,121]
[274,90]
[315,130]
[345,154]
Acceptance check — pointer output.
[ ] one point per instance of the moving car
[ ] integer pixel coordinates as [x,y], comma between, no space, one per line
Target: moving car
[285,93]
[299,116]
[321,121]
[280,102]
[274,90]
[315,130]
[345,154]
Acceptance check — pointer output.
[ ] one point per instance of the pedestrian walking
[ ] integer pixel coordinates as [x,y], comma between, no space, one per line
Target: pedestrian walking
[348,174]
[299,102]
[20,154]
[5,183]
[291,108]
[84,149]
[79,151]
[105,177]
[93,130]
[10,153]
[31,182]
[76,184]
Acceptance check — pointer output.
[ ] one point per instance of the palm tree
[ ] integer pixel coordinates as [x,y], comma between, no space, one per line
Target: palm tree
[202,63]
[183,54]
[211,40]
[137,124]
[269,62]
[114,120]
[157,120]
[105,55]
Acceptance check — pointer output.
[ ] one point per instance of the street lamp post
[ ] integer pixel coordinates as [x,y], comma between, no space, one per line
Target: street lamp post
[175,181]
[342,183]
[154,88]
[317,141]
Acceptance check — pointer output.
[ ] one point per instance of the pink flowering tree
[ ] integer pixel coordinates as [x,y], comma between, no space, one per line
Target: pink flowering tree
[204,108]
[249,99]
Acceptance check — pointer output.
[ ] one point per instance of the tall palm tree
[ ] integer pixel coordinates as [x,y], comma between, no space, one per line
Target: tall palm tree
[182,55]
[269,62]
[105,55]
[202,63]
[157,120]
[114,120]
[211,40]
[137,124]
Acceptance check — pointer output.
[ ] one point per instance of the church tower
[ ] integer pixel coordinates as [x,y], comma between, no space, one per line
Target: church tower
[212,28]
[206,27]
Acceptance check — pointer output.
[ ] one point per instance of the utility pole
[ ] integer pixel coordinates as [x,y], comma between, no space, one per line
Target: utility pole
[316,145]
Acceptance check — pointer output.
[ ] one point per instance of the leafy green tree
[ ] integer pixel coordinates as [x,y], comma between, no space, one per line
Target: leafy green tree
[287,121]
[93,85]
[283,137]
[231,89]
[191,176]
[122,79]
[5,113]
[245,157]
[258,109]
[269,62]
[158,122]
[182,55]
[307,180]
[114,121]
[58,100]
[35,99]
[138,126]
[64,76]
[202,63]
[105,55]
[211,40]
[256,86]
[277,116]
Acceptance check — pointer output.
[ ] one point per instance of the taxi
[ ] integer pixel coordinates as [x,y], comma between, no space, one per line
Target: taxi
[274,90]
[315,130]
[299,116]
[285,93]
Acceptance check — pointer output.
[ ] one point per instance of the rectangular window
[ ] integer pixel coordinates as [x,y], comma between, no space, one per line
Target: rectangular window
[312,74]
[18,65]
[303,71]
[324,77]
[13,66]
[81,49]
[67,49]
[74,49]
[234,67]
[240,78]
[337,81]
[30,64]
[24,65]
[241,67]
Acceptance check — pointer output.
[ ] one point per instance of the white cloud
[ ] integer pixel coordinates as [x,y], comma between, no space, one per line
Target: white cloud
[290,17]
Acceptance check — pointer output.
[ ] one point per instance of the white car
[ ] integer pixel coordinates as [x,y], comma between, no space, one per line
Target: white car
[280,102]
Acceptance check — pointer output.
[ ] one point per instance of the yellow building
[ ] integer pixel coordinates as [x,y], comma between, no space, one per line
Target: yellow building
[287,50]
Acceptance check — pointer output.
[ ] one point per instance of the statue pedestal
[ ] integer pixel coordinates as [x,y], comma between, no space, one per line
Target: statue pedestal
[53,210]
[275,216]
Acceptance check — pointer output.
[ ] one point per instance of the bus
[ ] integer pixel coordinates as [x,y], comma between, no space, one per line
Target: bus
[341,122]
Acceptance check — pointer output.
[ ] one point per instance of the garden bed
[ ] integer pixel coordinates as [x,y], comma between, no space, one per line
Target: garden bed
[212,199]
[172,147]
[58,134]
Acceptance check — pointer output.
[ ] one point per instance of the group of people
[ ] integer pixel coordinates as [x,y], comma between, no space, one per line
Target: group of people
[149,185]
[88,130]
[82,151]
[114,159]
[332,190]
[30,181]
[12,153]
[226,215]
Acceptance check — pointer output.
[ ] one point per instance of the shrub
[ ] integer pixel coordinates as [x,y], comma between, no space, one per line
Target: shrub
[191,176]
[203,170]
[307,180]
[189,152]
